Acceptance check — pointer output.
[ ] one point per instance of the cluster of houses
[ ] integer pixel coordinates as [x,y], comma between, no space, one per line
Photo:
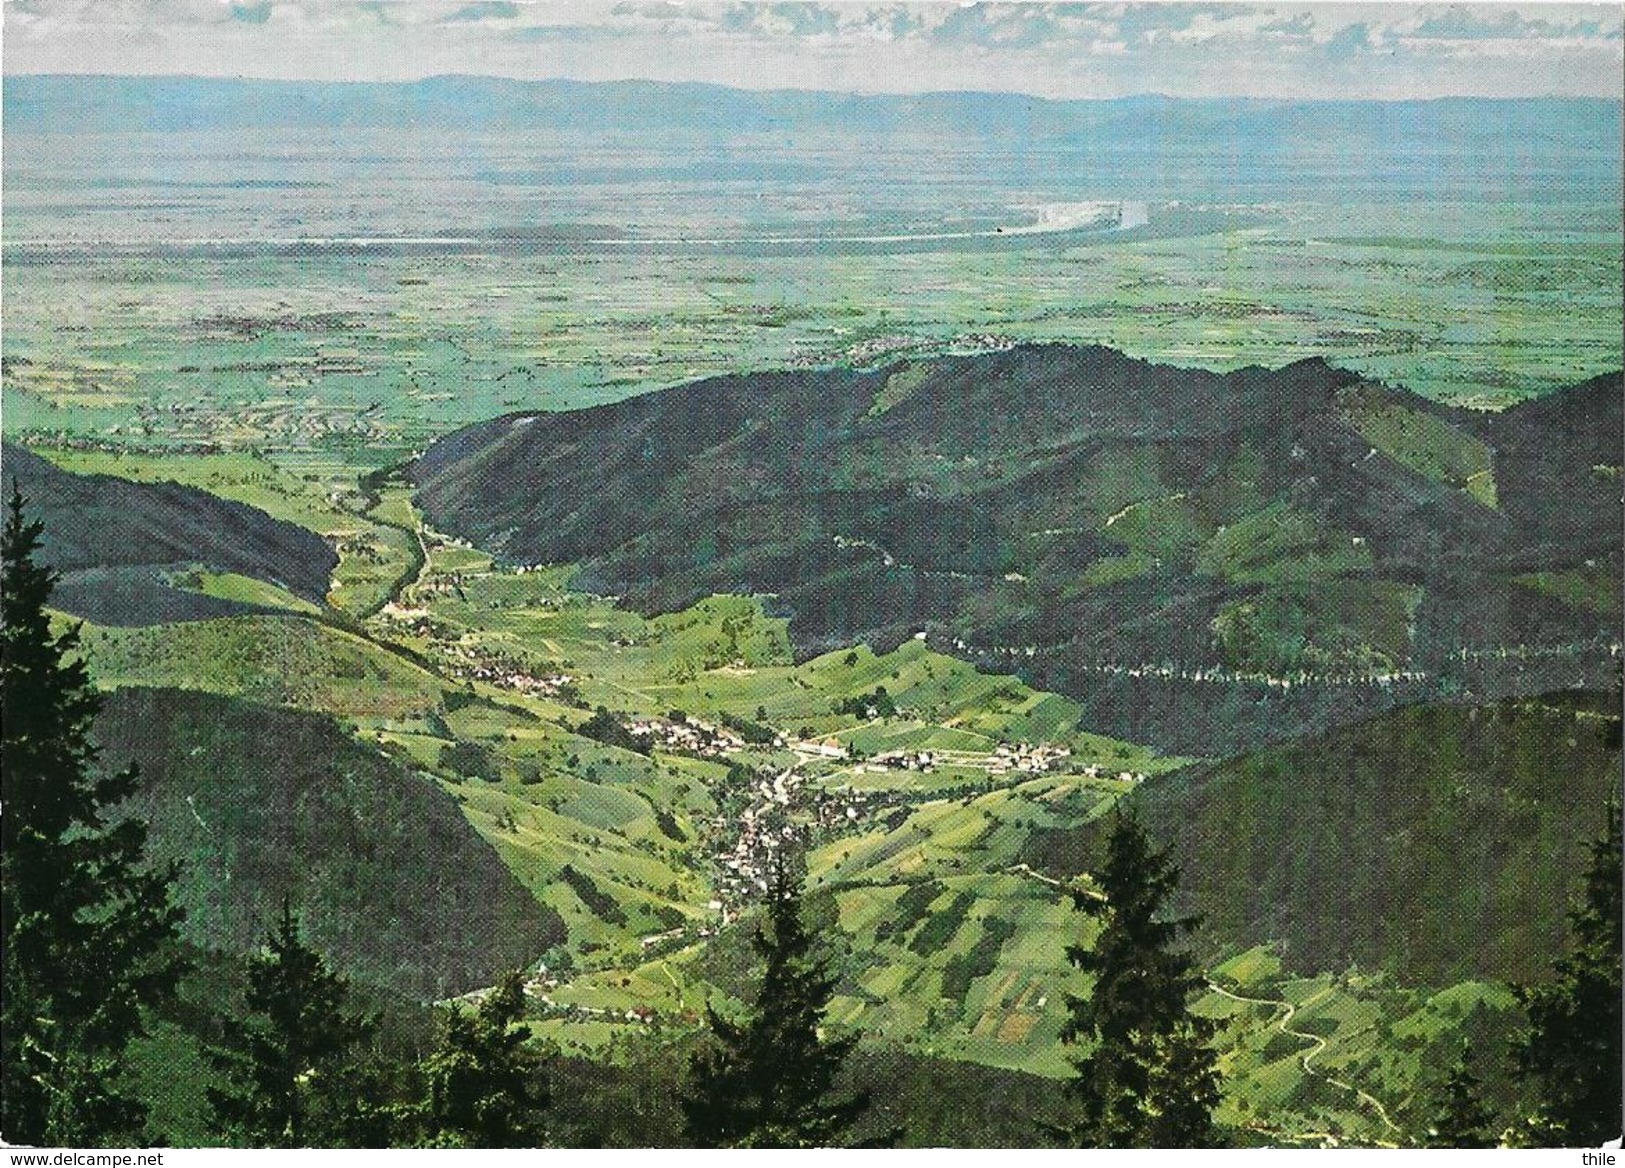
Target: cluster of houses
[1032,759]
[438,585]
[466,663]
[834,811]
[508,674]
[828,748]
[419,623]
[876,347]
[691,736]
[470,663]
[66,440]
[760,830]
[1096,772]
[572,1011]
[439,539]
[924,761]
[1024,758]
[981,343]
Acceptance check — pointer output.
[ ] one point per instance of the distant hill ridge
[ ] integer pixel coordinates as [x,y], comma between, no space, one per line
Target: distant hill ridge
[1161,543]
[114,541]
[77,104]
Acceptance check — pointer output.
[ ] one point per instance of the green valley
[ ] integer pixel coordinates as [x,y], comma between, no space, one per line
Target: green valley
[805,603]
[947,812]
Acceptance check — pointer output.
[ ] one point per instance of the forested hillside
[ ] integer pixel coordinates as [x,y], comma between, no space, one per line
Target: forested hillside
[1206,561]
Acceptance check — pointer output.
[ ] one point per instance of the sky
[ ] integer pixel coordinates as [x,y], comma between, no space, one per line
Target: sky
[1316,50]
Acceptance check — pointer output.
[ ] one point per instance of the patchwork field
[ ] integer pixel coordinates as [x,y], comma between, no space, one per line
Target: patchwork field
[603,491]
[359,354]
[945,831]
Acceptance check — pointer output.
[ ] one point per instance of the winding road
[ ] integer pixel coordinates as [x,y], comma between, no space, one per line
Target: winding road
[1318,1044]
[1305,1057]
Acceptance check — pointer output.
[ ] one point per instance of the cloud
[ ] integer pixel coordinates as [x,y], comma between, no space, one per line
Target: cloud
[793,20]
[658,10]
[1149,23]
[256,13]
[1005,26]
[1464,24]
[798,20]
[484,10]
[1349,41]
[1341,49]
[1299,27]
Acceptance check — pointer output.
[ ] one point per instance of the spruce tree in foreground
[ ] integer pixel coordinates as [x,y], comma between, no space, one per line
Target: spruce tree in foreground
[291,1062]
[1571,1054]
[1465,1120]
[486,1083]
[1150,1078]
[88,929]
[765,1082]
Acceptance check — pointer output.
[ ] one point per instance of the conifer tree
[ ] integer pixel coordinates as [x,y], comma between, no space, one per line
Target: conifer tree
[290,1061]
[765,1082]
[1150,1078]
[1571,1053]
[486,1082]
[88,927]
[1465,1120]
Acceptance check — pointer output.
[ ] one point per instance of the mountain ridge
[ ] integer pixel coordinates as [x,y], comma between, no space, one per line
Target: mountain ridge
[210,101]
[116,543]
[1098,507]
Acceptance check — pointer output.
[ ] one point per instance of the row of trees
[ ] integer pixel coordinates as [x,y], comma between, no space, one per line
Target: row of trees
[302,1069]
[302,1073]
[91,952]
[90,944]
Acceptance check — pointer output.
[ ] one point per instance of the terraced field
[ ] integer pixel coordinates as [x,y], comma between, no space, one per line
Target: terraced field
[938,872]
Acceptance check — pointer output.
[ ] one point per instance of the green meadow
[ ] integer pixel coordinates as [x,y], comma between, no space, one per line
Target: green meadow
[945,916]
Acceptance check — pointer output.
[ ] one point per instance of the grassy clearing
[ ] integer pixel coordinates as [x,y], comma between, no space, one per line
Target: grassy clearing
[290,661]
[247,590]
[1429,446]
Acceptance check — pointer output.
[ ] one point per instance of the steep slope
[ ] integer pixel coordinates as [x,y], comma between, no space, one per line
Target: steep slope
[118,542]
[391,881]
[1440,843]
[1204,561]
[1573,499]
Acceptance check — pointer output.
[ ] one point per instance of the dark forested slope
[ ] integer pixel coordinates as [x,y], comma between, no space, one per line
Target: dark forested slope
[1205,561]
[390,880]
[1440,842]
[115,542]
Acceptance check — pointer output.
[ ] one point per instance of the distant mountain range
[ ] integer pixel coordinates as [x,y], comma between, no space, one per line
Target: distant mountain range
[120,545]
[101,104]
[1139,147]
[1204,561]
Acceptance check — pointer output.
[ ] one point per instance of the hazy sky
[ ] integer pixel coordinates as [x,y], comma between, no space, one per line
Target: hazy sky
[1058,50]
